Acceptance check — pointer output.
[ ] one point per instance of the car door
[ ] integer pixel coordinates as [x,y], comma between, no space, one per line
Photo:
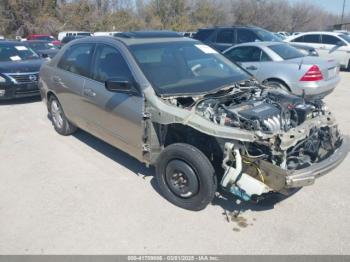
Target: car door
[314,40]
[249,57]
[115,117]
[68,80]
[335,48]
[224,39]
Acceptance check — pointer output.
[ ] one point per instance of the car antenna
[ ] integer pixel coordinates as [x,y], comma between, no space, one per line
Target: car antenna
[301,63]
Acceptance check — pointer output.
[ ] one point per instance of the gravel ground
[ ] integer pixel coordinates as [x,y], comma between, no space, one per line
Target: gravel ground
[78,195]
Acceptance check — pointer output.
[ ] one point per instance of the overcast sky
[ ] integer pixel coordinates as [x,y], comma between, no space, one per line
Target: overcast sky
[334,6]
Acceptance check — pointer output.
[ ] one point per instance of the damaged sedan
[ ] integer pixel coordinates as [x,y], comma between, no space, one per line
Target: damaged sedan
[201,120]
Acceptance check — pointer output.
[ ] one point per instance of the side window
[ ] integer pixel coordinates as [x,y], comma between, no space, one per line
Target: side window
[246,36]
[316,39]
[299,39]
[245,54]
[225,37]
[330,40]
[77,59]
[109,63]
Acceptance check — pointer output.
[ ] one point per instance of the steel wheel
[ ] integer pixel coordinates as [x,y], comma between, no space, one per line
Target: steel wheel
[181,179]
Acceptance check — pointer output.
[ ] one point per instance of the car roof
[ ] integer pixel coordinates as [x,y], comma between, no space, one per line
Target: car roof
[12,42]
[314,33]
[230,27]
[37,41]
[39,35]
[141,37]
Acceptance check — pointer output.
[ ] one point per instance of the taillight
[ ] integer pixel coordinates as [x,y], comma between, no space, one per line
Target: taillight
[313,74]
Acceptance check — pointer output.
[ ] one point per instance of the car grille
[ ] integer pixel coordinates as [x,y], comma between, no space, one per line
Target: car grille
[25,77]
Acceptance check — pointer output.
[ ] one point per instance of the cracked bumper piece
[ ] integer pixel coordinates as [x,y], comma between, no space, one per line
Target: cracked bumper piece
[307,176]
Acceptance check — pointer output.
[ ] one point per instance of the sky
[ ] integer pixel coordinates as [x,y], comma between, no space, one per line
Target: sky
[333,6]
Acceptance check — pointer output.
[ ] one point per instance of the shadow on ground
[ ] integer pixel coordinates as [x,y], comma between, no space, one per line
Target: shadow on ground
[225,200]
[20,101]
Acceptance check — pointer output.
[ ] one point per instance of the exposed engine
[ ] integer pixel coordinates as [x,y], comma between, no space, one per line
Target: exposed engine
[276,117]
[269,112]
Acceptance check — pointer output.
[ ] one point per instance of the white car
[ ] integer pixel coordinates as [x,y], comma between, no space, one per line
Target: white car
[62,35]
[106,33]
[329,45]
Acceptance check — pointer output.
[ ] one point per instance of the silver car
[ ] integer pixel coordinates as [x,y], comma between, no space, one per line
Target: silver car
[281,65]
[202,121]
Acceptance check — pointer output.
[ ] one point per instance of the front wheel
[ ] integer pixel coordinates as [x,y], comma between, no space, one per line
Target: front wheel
[59,119]
[186,177]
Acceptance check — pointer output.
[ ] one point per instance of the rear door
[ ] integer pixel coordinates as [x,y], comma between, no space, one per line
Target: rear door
[225,38]
[112,116]
[246,36]
[69,78]
[250,58]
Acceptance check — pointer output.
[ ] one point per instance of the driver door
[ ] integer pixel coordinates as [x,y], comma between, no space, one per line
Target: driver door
[113,116]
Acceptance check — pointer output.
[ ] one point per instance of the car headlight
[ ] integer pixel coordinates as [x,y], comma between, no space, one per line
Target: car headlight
[2,79]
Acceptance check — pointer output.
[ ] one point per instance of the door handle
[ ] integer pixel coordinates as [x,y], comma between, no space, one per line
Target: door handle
[89,92]
[251,67]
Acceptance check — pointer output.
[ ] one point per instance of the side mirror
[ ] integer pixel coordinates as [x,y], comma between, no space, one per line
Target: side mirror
[44,55]
[120,85]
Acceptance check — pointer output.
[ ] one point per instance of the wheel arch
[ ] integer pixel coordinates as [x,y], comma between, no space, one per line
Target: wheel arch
[279,80]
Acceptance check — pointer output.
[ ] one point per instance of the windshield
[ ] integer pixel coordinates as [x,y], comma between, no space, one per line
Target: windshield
[185,67]
[346,37]
[37,46]
[267,36]
[286,51]
[16,52]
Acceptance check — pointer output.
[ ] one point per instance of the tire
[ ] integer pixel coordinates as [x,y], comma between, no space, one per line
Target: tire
[348,67]
[277,84]
[59,119]
[186,177]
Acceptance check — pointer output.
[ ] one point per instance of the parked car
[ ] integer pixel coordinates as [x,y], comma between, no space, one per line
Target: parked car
[285,34]
[188,34]
[19,70]
[221,38]
[45,37]
[67,39]
[201,120]
[62,35]
[329,45]
[283,66]
[43,48]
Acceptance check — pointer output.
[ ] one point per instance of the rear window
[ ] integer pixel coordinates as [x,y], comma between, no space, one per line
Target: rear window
[286,51]
[203,34]
[345,37]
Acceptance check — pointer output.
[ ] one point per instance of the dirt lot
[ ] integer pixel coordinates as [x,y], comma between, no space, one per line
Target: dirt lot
[78,195]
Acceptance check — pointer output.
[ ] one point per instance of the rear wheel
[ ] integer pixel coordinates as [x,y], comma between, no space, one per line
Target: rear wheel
[277,84]
[59,119]
[186,177]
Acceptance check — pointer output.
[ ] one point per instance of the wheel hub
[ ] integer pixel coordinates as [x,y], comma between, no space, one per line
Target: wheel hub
[181,179]
[56,113]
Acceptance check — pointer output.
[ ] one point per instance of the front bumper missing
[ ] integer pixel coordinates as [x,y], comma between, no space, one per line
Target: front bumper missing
[307,176]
